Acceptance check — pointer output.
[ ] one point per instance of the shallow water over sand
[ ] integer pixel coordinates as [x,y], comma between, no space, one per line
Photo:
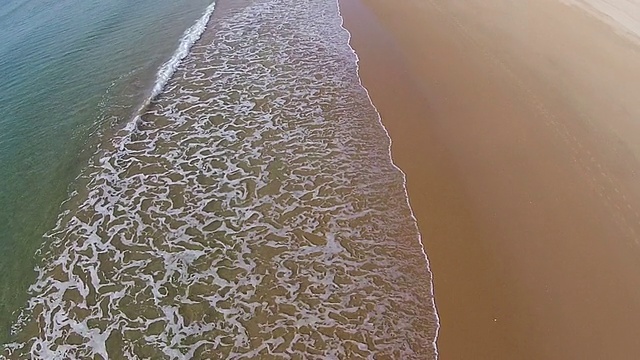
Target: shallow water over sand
[252,211]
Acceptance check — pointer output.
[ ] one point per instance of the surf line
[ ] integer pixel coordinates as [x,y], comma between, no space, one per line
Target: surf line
[166,71]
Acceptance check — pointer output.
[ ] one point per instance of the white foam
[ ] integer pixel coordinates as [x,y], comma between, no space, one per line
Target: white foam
[286,199]
[166,71]
[404,180]
[188,39]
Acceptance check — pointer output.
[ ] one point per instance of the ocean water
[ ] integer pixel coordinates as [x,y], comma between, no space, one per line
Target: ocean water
[69,71]
[249,210]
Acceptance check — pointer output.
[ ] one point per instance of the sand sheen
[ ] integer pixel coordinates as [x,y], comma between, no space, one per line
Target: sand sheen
[251,211]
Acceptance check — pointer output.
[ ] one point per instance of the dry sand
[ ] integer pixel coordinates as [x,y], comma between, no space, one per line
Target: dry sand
[518,125]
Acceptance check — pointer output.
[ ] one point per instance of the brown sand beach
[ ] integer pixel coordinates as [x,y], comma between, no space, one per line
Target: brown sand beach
[517,124]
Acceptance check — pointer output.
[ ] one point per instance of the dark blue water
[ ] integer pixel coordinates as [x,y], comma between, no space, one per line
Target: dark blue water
[70,71]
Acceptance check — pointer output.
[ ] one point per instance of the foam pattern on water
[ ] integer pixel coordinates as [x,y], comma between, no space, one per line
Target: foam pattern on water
[254,212]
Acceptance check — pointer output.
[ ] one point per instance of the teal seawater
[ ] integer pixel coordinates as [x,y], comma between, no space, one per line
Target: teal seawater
[69,72]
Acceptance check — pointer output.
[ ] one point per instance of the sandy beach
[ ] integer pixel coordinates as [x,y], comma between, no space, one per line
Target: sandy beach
[516,123]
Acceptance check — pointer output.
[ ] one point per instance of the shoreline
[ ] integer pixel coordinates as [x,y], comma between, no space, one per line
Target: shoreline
[404,179]
[521,169]
[312,253]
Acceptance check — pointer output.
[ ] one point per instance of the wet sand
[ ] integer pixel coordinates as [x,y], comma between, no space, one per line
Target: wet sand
[517,124]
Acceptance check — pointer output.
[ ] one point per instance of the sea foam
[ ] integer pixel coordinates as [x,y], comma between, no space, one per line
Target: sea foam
[255,212]
[190,36]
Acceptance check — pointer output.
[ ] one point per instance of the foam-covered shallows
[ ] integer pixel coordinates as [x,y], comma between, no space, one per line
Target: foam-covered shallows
[253,211]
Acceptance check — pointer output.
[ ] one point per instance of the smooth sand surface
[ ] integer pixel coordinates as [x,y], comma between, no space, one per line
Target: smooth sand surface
[517,123]
[622,15]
